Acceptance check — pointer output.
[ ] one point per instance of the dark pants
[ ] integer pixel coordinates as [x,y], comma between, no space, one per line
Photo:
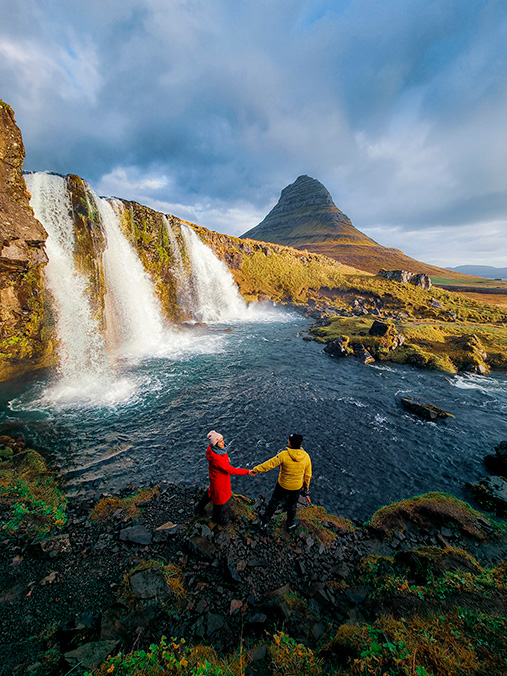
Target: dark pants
[218,510]
[290,498]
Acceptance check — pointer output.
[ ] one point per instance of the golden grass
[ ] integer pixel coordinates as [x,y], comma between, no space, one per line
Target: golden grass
[106,507]
[322,525]
[460,642]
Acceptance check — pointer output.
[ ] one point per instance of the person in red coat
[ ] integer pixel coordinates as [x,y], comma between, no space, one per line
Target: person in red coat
[220,470]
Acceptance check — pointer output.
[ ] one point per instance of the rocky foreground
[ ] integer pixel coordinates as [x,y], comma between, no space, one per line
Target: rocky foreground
[419,589]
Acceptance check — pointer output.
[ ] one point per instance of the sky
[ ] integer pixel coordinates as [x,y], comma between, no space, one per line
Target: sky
[207,110]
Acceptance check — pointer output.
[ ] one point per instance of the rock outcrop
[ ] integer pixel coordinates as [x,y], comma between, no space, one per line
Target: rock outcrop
[22,258]
[405,277]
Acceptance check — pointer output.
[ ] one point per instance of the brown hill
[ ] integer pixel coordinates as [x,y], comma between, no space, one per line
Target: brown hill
[306,217]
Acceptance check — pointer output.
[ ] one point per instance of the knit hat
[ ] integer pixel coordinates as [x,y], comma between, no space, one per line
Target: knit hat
[214,437]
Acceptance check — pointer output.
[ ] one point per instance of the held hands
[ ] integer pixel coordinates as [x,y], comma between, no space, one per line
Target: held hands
[251,473]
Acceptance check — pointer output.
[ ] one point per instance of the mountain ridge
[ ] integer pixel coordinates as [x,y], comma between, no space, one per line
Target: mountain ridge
[306,217]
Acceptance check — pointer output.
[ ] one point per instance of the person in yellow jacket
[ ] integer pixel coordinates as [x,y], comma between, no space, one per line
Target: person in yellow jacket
[295,474]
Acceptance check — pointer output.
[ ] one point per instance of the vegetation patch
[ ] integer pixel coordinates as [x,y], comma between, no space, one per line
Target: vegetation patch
[323,526]
[461,642]
[170,572]
[130,506]
[289,658]
[434,509]
[172,658]
[31,499]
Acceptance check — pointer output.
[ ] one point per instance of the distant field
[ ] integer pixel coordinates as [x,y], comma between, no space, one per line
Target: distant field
[497,299]
[479,282]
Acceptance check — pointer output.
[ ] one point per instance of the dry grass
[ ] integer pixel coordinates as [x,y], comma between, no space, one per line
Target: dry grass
[461,642]
[323,526]
[129,505]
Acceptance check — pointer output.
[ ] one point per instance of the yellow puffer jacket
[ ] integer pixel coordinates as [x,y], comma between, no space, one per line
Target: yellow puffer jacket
[295,468]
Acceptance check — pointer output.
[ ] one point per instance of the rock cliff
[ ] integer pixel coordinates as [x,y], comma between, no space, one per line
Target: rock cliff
[22,258]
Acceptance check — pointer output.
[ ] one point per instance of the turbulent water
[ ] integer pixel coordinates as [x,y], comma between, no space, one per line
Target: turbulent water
[257,384]
[132,402]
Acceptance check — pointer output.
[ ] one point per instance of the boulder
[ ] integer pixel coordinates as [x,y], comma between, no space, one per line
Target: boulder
[426,562]
[138,535]
[405,277]
[149,584]
[90,655]
[426,411]
[201,547]
[360,352]
[491,493]
[379,328]
[497,464]
[338,347]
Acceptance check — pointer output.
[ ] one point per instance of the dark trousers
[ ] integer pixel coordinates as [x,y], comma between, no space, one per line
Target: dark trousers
[218,510]
[290,498]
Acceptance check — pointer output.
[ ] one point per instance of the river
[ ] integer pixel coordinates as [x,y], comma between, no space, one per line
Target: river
[256,382]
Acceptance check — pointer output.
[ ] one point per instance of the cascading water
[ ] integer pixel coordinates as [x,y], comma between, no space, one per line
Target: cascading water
[184,290]
[82,350]
[215,296]
[133,313]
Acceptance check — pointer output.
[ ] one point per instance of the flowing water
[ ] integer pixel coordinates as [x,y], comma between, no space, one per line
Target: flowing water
[134,404]
[256,385]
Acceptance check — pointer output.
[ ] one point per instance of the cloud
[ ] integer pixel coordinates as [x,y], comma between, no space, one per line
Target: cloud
[398,108]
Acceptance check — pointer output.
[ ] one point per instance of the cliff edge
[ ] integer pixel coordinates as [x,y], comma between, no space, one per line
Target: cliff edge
[22,256]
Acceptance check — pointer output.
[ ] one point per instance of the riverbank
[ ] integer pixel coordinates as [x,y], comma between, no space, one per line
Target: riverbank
[420,583]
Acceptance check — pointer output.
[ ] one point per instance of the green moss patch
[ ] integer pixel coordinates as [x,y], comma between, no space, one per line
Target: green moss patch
[31,499]
[432,510]
[323,526]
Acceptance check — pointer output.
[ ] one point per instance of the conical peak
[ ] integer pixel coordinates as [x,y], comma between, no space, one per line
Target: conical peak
[305,212]
[305,190]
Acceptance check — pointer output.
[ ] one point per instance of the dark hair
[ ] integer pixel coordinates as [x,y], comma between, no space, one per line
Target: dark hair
[295,440]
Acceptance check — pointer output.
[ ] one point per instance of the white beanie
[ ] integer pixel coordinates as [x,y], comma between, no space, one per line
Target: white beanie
[214,437]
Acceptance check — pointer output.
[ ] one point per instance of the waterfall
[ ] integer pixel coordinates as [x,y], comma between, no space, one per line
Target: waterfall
[82,350]
[215,296]
[182,276]
[133,313]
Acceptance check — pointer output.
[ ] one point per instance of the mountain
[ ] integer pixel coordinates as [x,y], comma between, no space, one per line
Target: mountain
[306,217]
[487,271]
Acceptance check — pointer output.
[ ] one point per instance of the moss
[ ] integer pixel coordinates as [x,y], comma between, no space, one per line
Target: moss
[129,505]
[432,509]
[172,575]
[30,493]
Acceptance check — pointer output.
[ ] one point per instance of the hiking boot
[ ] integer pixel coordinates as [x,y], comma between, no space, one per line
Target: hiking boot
[292,526]
[223,522]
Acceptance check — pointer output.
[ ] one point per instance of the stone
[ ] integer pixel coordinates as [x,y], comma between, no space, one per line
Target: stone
[257,562]
[138,535]
[497,464]
[232,572]
[405,277]
[236,604]
[201,547]
[357,595]
[338,347]
[90,655]
[214,623]
[379,328]
[426,411]
[149,584]
[361,353]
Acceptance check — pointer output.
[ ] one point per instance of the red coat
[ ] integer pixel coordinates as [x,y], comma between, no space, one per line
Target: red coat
[220,470]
